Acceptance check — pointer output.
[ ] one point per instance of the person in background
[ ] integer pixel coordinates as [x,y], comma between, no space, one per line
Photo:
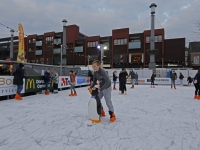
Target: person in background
[105,88]
[91,76]
[181,78]
[173,79]
[18,80]
[189,79]
[132,74]
[196,82]
[153,76]
[122,79]
[136,78]
[114,80]
[46,81]
[55,81]
[72,83]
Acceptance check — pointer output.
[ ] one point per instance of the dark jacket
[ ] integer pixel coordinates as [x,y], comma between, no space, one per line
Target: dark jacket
[190,80]
[132,74]
[122,76]
[181,76]
[197,77]
[18,76]
[173,76]
[114,77]
[153,77]
[46,77]
[136,76]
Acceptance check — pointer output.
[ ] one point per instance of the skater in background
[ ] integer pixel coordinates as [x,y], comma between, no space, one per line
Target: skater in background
[114,80]
[122,79]
[91,76]
[46,81]
[173,79]
[18,80]
[136,78]
[55,81]
[196,82]
[153,76]
[189,79]
[132,74]
[105,88]
[181,78]
[72,83]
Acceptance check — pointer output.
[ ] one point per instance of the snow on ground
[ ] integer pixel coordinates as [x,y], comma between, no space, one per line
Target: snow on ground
[147,119]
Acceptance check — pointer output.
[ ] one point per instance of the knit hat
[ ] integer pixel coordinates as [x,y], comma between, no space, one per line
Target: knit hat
[21,65]
[71,71]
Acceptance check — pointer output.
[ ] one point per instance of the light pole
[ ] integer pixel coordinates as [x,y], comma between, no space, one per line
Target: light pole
[102,47]
[88,61]
[64,60]
[152,64]
[61,59]
[11,44]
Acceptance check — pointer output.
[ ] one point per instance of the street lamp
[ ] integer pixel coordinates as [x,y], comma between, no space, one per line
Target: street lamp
[102,47]
[11,44]
[64,42]
[152,51]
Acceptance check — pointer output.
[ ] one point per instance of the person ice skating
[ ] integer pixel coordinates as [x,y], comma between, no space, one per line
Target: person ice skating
[136,78]
[173,79]
[55,81]
[18,80]
[153,76]
[91,76]
[105,88]
[46,81]
[181,78]
[114,80]
[72,83]
[196,82]
[189,79]
[132,74]
[122,79]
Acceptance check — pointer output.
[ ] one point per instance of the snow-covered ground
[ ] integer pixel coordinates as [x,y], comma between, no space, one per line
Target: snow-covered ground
[147,119]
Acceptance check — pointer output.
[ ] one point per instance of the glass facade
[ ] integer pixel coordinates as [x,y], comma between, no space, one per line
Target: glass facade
[38,52]
[120,41]
[56,51]
[120,58]
[38,43]
[93,44]
[78,49]
[134,45]
[57,41]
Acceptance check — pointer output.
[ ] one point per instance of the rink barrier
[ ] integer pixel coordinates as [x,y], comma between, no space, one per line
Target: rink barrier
[36,84]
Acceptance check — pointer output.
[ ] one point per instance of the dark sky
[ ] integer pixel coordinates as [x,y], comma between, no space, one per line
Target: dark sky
[99,17]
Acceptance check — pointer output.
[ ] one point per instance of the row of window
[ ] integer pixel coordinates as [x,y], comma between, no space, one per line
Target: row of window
[158,38]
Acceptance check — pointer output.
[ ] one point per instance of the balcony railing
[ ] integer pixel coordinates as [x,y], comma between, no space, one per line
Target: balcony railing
[57,41]
[56,51]
[134,45]
[38,52]
[38,43]
[78,49]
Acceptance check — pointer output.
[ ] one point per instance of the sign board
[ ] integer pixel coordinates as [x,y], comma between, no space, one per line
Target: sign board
[7,87]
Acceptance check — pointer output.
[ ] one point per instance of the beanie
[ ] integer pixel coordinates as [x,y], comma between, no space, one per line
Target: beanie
[21,65]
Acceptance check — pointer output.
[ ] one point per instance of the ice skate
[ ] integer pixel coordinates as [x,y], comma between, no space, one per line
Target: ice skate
[112,116]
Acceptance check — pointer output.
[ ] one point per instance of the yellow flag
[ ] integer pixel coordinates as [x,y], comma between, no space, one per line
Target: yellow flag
[20,56]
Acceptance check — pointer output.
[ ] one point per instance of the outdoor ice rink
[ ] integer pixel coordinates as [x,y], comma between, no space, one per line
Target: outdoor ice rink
[147,119]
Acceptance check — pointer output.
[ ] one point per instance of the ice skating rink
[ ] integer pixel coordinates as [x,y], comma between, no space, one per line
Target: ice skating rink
[147,119]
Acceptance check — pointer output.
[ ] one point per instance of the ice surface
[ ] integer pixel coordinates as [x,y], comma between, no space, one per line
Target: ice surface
[147,119]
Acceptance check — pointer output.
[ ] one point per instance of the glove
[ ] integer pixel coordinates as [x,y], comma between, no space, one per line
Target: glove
[90,90]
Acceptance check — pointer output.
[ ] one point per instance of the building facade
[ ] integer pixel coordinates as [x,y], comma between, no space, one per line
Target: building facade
[122,48]
[194,54]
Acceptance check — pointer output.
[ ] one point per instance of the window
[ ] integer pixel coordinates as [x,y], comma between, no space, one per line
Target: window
[120,58]
[93,44]
[148,39]
[29,41]
[120,41]
[196,59]
[33,40]
[159,38]
[30,49]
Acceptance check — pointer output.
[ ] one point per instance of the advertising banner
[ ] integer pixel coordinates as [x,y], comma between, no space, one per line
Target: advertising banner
[20,56]
[82,80]
[36,83]
[7,87]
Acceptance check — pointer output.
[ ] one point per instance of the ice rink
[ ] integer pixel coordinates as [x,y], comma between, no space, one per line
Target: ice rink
[147,119]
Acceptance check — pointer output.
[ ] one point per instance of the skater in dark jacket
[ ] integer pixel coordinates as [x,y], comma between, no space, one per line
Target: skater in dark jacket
[46,81]
[136,78]
[189,79]
[122,79]
[153,76]
[114,79]
[132,74]
[181,78]
[18,80]
[173,79]
[196,82]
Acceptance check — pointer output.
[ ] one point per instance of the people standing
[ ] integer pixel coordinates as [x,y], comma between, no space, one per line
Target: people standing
[189,79]
[114,80]
[197,85]
[46,81]
[18,80]
[136,78]
[72,83]
[132,74]
[55,81]
[105,88]
[181,78]
[173,79]
[122,79]
[153,76]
